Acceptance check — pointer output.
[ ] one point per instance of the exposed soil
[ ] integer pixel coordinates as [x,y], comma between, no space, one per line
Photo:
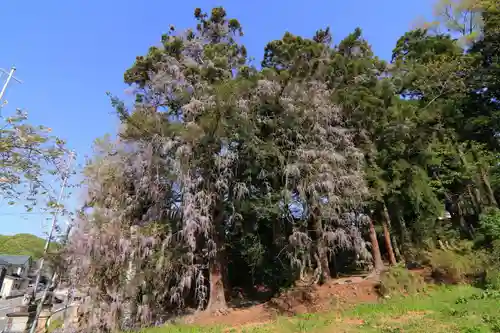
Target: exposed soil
[336,294]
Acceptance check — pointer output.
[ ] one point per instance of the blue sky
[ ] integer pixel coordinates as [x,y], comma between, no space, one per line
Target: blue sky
[70,53]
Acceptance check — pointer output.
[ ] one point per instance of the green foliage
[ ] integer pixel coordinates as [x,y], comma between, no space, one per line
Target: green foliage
[492,278]
[492,272]
[31,157]
[450,266]
[399,280]
[489,222]
[22,244]
[463,16]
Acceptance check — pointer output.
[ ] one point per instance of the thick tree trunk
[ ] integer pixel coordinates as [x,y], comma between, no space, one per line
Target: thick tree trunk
[320,253]
[335,272]
[325,266]
[386,222]
[217,268]
[130,308]
[378,264]
[217,301]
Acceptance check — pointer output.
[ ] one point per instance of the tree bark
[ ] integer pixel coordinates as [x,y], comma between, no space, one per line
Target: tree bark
[463,223]
[217,301]
[378,264]
[325,266]
[386,222]
[475,198]
[388,244]
[387,237]
[130,306]
[217,270]
[397,251]
[489,190]
[335,273]
[315,228]
[403,236]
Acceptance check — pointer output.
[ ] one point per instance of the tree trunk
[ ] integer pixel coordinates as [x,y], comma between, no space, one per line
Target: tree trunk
[475,198]
[397,251]
[485,179]
[386,222]
[217,268]
[378,264]
[130,306]
[335,273]
[489,190]
[217,301]
[325,266]
[388,244]
[319,249]
[129,309]
[404,237]
[463,223]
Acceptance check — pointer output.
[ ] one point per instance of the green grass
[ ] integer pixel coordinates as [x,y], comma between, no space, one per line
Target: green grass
[461,309]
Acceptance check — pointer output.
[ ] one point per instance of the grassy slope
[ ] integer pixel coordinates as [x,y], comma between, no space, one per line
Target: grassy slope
[22,244]
[442,310]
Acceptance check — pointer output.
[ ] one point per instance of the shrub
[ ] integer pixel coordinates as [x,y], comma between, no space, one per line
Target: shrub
[492,278]
[400,280]
[449,266]
[492,273]
[488,237]
[489,229]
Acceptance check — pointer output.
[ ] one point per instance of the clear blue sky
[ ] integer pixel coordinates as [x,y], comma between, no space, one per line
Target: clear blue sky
[69,53]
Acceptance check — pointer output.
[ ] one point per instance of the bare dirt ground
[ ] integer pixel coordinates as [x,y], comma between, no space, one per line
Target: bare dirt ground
[336,294]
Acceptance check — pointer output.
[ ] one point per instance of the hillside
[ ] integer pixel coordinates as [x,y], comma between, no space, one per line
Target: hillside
[22,244]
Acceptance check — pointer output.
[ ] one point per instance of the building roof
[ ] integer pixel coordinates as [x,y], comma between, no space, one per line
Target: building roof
[13,260]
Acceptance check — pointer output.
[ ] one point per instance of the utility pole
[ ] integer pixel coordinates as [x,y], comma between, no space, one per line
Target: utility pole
[70,292]
[47,244]
[10,76]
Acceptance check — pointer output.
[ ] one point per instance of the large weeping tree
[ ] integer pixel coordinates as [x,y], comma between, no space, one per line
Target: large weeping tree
[321,167]
[319,170]
[119,251]
[170,181]
[189,81]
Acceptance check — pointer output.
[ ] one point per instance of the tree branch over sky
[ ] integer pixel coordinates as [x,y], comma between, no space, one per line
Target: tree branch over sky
[30,157]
